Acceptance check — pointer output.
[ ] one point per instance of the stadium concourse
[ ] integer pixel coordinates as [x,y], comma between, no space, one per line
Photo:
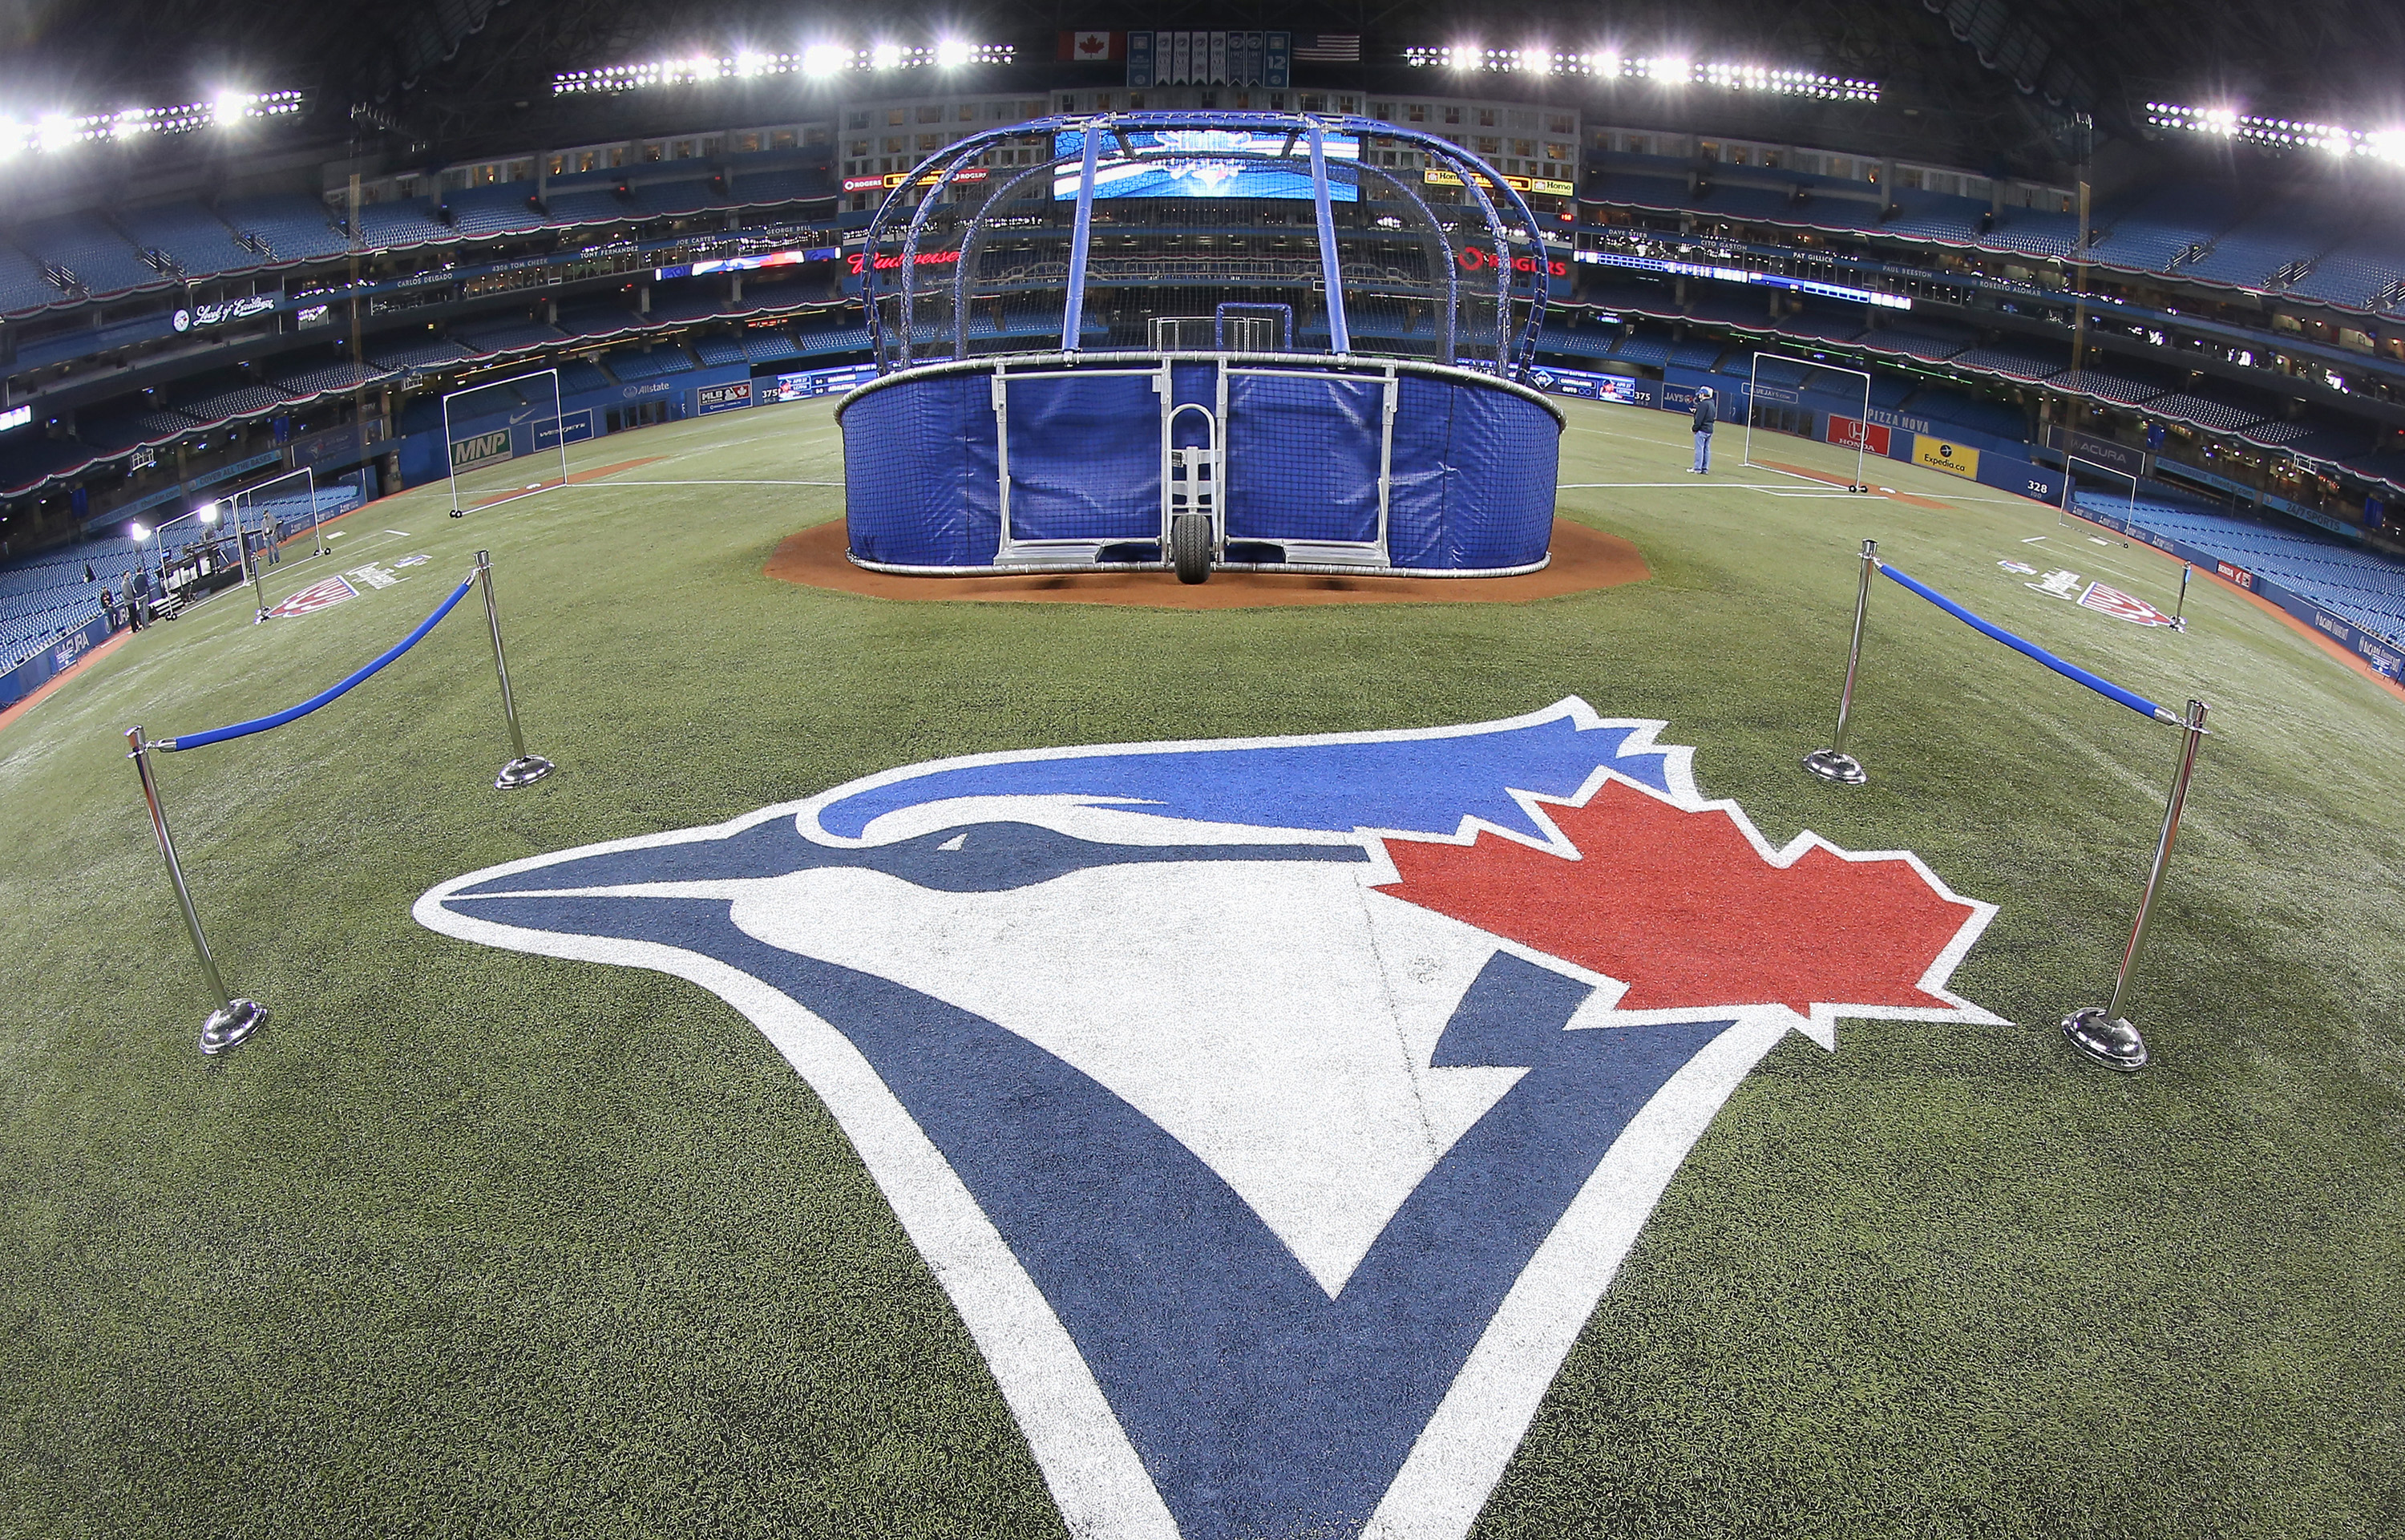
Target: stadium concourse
[915,775]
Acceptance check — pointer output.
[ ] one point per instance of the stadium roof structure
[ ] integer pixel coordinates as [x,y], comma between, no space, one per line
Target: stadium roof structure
[447,75]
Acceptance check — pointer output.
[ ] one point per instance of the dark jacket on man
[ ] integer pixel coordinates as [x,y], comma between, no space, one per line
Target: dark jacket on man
[1704,415]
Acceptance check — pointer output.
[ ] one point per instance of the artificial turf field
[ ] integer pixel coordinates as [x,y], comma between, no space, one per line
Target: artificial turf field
[474,1242]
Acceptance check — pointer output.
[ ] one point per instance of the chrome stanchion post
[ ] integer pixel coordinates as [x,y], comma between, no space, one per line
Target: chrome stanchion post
[2106,1035]
[258,565]
[526,769]
[1833,764]
[234,1020]
[2179,611]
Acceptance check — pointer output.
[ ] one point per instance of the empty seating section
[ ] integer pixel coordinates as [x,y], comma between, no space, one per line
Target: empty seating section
[1923,340]
[2107,385]
[194,239]
[765,346]
[291,227]
[2015,360]
[2259,250]
[586,205]
[518,335]
[2034,232]
[674,198]
[103,261]
[2364,588]
[718,350]
[429,354]
[82,342]
[2220,416]
[578,375]
[240,401]
[22,283]
[632,367]
[608,320]
[500,209]
[404,223]
[1934,216]
[2363,273]
[2149,232]
[333,377]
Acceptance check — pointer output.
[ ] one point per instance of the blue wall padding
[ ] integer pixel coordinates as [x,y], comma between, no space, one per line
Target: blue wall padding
[1302,457]
[1474,465]
[1084,458]
[920,488]
[1473,478]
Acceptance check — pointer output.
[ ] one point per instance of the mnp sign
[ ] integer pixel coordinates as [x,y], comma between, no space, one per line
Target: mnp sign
[1953,459]
[480,448]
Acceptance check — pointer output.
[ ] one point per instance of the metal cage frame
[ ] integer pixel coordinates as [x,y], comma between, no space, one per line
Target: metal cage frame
[902,217]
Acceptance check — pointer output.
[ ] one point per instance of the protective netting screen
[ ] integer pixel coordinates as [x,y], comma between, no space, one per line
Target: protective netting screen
[1077,234]
[507,438]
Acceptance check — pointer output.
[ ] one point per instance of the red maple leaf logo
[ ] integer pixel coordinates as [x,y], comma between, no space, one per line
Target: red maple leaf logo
[1093,43]
[1686,909]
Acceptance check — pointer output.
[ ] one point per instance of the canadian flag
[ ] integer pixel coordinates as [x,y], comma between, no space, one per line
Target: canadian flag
[1092,47]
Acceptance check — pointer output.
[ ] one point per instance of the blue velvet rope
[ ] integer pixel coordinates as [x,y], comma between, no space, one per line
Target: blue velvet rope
[2104,687]
[292,714]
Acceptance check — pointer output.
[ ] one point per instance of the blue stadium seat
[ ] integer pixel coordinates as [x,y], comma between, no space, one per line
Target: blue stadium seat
[292,227]
[103,261]
[194,238]
[22,288]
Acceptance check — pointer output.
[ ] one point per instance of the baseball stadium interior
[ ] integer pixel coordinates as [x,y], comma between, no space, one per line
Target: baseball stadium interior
[984,296]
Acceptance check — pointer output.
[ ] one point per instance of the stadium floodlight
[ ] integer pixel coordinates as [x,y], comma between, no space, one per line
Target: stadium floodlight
[821,60]
[952,53]
[55,132]
[885,56]
[229,107]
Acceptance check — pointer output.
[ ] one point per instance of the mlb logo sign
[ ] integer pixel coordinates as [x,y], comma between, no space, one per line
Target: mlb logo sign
[1276,1111]
[317,596]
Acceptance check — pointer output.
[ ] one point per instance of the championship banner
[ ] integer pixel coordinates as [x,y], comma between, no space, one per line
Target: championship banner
[1955,460]
[1852,433]
[1196,58]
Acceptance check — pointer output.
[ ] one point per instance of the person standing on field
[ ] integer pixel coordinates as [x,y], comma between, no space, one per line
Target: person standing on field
[1706,414]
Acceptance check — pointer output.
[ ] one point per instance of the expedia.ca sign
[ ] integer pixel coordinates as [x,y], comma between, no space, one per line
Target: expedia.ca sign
[480,449]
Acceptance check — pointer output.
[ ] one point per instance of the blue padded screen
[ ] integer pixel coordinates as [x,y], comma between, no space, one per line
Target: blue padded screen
[920,488]
[1084,458]
[1302,457]
[1474,469]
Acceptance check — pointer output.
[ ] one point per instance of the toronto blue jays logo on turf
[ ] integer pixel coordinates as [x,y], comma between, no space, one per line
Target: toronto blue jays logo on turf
[1276,1111]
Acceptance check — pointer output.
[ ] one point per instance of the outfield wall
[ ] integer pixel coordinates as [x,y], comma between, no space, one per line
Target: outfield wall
[53,660]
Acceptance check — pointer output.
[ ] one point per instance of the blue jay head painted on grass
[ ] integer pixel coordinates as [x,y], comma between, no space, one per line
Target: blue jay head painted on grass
[1275,1110]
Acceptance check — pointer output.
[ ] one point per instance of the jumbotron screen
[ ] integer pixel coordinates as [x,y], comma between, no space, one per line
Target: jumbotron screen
[1199,162]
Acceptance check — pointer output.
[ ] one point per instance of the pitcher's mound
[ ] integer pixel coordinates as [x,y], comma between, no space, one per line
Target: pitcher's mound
[1584,558]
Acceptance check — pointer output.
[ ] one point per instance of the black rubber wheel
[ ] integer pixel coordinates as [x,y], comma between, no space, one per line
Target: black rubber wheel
[1190,546]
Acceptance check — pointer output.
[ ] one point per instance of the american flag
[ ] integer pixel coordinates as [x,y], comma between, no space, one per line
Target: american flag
[1331,48]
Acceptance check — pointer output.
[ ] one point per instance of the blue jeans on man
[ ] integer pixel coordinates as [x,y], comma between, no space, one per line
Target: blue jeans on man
[1703,451]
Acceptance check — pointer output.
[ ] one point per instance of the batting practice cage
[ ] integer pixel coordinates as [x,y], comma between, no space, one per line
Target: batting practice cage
[505,439]
[1198,340]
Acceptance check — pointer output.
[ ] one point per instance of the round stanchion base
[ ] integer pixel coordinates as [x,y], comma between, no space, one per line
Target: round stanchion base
[2114,1044]
[1839,770]
[457,513]
[522,773]
[230,1025]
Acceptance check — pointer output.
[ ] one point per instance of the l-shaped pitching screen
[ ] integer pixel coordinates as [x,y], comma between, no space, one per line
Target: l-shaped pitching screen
[1199,163]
